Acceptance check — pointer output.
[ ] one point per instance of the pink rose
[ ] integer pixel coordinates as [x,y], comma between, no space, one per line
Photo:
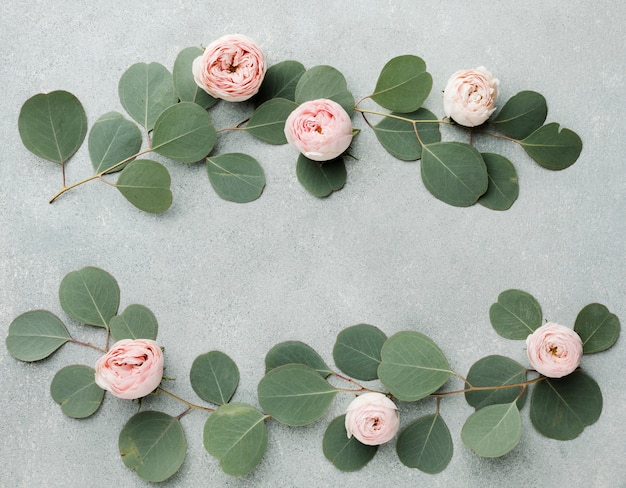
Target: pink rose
[231,68]
[131,369]
[470,96]
[319,129]
[554,350]
[372,418]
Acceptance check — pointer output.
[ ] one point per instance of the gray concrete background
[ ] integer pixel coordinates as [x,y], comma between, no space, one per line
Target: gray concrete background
[241,278]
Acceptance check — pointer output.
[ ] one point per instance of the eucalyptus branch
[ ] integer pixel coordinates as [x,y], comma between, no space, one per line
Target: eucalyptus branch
[87,344]
[404,119]
[189,404]
[488,388]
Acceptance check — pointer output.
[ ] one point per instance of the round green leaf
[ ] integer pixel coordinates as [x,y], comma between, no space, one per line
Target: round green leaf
[562,408]
[493,431]
[503,187]
[74,388]
[522,114]
[551,148]
[184,133]
[153,445]
[324,82]
[52,125]
[186,88]
[236,177]
[295,352]
[346,454]
[515,315]
[90,296]
[112,139]
[454,172]
[426,444]
[597,327]
[295,394]
[136,322]
[146,184]
[321,179]
[35,335]
[398,136]
[214,377]
[495,371]
[357,351]
[268,121]
[280,81]
[236,435]
[403,84]
[412,366]
[146,90]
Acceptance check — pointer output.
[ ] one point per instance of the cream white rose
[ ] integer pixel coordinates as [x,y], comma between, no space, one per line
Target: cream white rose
[470,96]
[372,419]
[554,350]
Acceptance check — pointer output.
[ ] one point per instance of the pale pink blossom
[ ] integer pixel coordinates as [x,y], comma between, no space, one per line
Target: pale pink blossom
[470,96]
[231,68]
[131,369]
[554,350]
[372,419]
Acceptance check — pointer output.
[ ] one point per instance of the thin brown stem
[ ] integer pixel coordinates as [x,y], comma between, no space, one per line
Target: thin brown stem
[189,404]
[487,388]
[87,344]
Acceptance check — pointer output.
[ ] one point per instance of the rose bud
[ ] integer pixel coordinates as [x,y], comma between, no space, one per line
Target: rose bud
[554,350]
[372,419]
[470,96]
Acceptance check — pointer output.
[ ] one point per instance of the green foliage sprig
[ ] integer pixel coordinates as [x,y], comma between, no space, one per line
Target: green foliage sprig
[298,386]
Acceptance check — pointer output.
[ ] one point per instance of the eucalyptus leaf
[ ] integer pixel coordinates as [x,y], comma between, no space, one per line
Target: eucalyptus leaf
[597,327]
[75,389]
[321,179]
[52,125]
[493,431]
[146,90]
[236,177]
[295,352]
[153,444]
[357,351]
[146,184]
[496,371]
[236,435]
[187,89]
[412,366]
[280,81]
[136,322]
[36,334]
[295,394]
[214,377]
[515,315]
[90,296]
[184,133]
[347,454]
[503,186]
[112,139]
[551,148]
[403,84]
[324,82]
[268,120]
[562,408]
[426,444]
[454,172]
[522,114]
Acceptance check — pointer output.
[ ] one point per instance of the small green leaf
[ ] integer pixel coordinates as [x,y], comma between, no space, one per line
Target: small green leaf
[295,394]
[184,133]
[426,444]
[146,90]
[268,121]
[346,454]
[503,187]
[136,322]
[35,335]
[236,435]
[495,371]
[146,184]
[90,296]
[112,139]
[522,114]
[295,352]
[236,177]
[324,82]
[214,377]
[412,366]
[321,179]
[515,315]
[52,125]
[597,327]
[454,172]
[562,408]
[186,88]
[403,84]
[398,136]
[493,431]
[74,388]
[357,351]
[280,81]
[153,445]
[553,149]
